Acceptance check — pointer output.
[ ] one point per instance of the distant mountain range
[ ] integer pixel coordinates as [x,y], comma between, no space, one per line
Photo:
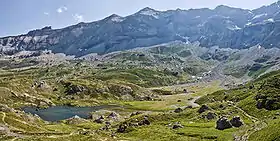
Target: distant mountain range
[223,26]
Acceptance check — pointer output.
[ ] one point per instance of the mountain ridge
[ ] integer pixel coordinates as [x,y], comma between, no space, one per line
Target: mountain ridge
[223,26]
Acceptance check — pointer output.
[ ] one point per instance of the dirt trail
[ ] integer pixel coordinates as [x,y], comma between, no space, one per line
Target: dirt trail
[3,118]
[257,125]
[192,102]
[7,130]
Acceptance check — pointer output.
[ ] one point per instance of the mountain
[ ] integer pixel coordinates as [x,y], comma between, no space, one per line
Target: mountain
[223,26]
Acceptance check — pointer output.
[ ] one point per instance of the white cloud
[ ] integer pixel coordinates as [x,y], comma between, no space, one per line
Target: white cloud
[61,9]
[78,18]
[46,13]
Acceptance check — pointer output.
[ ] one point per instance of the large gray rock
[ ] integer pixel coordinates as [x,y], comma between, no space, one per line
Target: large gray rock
[203,108]
[100,119]
[223,123]
[177,125]
[135,113]
[236,121]
[113,115]
[211,116]
[145,121]
[178,110]
[122,128]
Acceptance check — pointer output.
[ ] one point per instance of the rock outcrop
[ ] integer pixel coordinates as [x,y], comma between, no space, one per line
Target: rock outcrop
[223,123]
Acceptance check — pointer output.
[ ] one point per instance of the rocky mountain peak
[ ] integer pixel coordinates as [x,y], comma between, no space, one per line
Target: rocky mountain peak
[147,9]
[148,12]
[224,7]
[115,18]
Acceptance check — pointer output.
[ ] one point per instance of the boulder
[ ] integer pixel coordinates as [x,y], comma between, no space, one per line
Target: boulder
[223,123]
[189,107]
[236,121]
[122,128]
[75,120]
[108,123]
[145,121]
[113,115]
[211,116]
[100,119]
[203,108]
[178,110]
[177,125]
[148,98]
[42,84]
[135,114]
[106,127]
[133,124]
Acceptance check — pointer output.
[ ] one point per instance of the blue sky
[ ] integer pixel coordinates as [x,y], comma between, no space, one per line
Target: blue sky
[21,16]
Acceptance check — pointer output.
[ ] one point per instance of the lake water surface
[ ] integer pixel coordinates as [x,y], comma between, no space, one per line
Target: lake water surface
[57,113]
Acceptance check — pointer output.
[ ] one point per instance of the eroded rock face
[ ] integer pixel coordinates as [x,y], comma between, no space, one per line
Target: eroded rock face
[223,123]
[236,121]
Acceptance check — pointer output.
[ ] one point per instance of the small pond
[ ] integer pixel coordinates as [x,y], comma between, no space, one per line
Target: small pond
[57,113]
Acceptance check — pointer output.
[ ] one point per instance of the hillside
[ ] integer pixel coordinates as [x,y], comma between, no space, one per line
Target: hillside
[260,99]
[177,91]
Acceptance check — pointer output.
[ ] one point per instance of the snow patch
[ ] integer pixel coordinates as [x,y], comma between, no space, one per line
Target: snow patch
[117,19]
[235,27]
[149,12]
[270,20]
[214,16]
[278,4]
[249,23]
[184,37]
[258,16]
